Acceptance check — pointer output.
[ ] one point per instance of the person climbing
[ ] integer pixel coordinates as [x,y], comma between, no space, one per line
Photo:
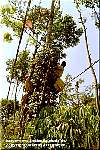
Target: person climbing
[59,84]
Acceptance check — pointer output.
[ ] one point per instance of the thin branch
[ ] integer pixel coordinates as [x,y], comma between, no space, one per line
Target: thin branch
[86,69]
[19,46]
[89,57]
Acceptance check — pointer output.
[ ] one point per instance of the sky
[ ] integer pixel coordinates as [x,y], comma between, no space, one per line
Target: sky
[76,57]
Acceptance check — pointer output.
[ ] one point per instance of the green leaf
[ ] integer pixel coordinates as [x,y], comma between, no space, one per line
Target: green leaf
[7,37]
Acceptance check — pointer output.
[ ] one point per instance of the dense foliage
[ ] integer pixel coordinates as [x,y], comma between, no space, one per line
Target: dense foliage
[18,71]
[67,121]
[64,34]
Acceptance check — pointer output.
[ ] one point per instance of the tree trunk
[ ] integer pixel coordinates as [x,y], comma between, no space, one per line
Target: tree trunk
[90,61]
[50,24]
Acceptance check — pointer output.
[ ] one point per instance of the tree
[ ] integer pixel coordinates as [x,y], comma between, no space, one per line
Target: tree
[82,21]
[20,69]
[94,6]
[7,122]
[55,32]
[68,121]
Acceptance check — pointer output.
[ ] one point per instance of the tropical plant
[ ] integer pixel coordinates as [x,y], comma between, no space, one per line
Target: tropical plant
[64,33]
